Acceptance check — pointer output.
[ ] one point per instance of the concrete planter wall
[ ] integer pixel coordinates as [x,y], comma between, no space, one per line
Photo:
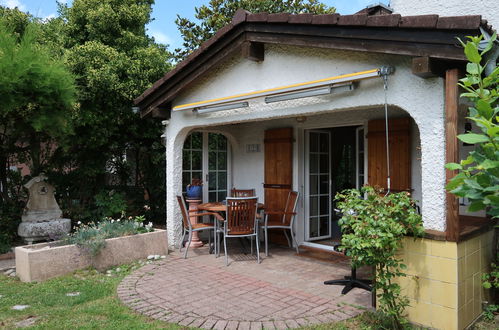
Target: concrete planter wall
[39,262]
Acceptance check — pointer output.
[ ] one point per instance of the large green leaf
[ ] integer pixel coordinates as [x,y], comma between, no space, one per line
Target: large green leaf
[476,206]
[453,166]
[471,51]
[473,138]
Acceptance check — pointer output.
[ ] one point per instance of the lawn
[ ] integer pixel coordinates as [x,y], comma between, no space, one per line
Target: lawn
[96,306]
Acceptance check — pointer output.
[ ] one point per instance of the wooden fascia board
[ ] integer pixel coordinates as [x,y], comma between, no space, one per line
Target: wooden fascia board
[448,52]
[228,46]
[365,32]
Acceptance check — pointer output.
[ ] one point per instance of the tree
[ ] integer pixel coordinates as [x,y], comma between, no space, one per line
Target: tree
[478,179]
[106,47]
[219,13]
[37,94]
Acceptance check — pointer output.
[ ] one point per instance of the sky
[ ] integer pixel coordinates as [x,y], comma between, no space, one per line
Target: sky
[163,27]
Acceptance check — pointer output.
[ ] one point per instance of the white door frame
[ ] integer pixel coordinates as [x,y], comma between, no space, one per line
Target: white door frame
[307,186]
[304,169]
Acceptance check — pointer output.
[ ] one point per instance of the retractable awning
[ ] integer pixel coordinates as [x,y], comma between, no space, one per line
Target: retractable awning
[287,92]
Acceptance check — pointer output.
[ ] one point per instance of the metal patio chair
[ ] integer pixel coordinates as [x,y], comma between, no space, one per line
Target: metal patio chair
[285,222]
[241,222]
[189,228]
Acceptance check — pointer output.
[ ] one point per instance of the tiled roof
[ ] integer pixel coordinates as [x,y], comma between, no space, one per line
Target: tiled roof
[395,22]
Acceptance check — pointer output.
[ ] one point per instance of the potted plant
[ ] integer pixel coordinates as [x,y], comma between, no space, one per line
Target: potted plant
[195,189]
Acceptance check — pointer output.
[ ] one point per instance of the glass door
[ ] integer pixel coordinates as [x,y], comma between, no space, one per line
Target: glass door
[318,185]
[217,167]
[206,157]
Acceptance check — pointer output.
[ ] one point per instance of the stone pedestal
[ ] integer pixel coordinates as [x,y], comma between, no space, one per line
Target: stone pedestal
[193,206]
[39,231]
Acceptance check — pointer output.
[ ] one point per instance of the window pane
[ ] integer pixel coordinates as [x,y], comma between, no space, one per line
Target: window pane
[324,163]
[324,226]
[197,175]
[222,161]
[314,184]
[197,140]
[212,160]
[197,160]
[314,227]
[188,141]
[186,180]
[324,142]
[222,195]
[361,140]
[314,166]
[212,178]
[212,141]
[324,184]
[222,181]
[324,205]
[314,142]
[314,204]
[222,142]
[361,163]
[212,197]
[186,160]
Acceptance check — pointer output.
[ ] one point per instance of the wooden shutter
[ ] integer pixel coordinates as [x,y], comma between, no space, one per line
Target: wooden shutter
[400,154]
[278,171]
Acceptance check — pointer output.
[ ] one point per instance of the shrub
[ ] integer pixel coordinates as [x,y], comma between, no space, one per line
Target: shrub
[373,228]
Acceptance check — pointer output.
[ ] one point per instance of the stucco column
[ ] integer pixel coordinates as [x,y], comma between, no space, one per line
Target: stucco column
[173,185]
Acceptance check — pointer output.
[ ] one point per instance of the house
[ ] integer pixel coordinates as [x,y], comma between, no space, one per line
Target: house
[279,102]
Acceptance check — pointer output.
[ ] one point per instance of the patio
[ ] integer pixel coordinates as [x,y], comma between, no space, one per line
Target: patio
[284,291]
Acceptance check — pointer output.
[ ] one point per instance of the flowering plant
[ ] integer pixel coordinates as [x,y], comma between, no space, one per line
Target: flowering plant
[92,237]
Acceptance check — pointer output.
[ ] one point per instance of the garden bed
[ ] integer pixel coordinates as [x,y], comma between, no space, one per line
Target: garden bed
[39,262]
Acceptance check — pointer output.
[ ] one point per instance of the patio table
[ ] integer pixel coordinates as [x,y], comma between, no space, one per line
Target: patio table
[220,207]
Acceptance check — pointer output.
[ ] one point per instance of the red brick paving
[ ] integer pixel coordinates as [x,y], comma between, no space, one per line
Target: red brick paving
[284,291]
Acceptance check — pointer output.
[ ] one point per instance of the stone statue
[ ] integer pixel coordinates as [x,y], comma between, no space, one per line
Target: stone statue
[42,217]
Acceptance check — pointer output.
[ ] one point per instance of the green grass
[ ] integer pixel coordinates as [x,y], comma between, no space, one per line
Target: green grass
[97,306]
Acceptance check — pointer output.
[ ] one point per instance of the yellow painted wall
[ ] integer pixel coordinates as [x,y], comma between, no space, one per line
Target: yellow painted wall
[444,280]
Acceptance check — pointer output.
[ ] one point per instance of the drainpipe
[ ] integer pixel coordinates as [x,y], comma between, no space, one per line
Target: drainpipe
[492,56]
[165,143]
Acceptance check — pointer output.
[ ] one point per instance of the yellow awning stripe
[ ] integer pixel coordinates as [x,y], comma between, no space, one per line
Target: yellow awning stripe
[276,89]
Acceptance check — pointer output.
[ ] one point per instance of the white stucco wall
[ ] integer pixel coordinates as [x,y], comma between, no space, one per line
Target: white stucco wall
[421,98]
[489,9]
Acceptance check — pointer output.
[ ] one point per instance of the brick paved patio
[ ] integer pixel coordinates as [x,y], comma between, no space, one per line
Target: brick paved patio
[284,291]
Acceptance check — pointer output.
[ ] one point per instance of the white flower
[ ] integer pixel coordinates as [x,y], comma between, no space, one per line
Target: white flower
[147,207]
[79,222]
[112,221]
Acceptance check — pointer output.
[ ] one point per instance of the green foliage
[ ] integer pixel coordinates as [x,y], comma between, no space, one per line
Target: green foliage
[372,231]
[478,177]
[219,13]
[110,204]
[107,49]
[91,238]
[490,311]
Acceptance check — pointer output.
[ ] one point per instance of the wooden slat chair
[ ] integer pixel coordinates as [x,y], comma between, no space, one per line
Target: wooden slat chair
[245,193]
[242,192]
[188,227]
[285,222]
[241,221]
